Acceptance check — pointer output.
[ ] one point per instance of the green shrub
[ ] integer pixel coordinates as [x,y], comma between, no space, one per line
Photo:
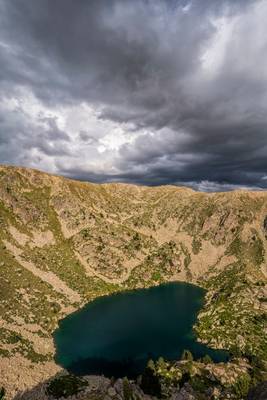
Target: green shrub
[196,246]
[127,389]
[2,393]
[150,383]
[187,355]
[258,371]
[161,363]
[235,352]
[199,384]
[185,378]
[65,386]
[207,359]
[241,387]
[151,365]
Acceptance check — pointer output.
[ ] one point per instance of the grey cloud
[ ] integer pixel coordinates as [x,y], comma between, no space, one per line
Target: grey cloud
[19,137]
[84,47]
[207,186]
[87,137]
[140,62]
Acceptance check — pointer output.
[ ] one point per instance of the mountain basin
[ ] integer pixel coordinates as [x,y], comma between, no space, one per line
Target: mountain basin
[116,335]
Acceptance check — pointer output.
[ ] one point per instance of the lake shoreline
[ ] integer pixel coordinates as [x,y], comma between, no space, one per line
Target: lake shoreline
[194,304]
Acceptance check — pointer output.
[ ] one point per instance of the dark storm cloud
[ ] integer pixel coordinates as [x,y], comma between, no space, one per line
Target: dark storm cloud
[96,47]
[19,139]
[141,62]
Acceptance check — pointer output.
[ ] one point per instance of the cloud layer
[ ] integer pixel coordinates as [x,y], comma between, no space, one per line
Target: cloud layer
[153,92]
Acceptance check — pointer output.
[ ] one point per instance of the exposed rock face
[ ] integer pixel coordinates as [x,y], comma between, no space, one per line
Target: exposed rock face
[265,224]
[63,243]
[184,380]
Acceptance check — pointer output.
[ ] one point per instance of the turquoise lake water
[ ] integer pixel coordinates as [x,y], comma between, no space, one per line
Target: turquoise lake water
[116,335]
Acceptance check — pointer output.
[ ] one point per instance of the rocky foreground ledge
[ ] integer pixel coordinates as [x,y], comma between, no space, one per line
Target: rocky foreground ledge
[182,380]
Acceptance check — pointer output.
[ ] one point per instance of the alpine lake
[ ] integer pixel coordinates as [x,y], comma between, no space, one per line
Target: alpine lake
[116,335]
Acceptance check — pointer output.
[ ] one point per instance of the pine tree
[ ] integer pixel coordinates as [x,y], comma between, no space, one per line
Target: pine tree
[2,393]
[187,355]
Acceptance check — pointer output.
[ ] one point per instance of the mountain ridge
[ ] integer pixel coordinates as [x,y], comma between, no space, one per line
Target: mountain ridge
[114,183]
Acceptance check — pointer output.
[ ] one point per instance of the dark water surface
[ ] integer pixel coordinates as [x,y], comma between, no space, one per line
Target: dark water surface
[116,335]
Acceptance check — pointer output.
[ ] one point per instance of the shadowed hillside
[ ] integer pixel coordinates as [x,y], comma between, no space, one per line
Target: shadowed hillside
[63,243]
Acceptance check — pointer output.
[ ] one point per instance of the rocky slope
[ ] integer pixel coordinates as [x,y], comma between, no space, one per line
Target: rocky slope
[63,243]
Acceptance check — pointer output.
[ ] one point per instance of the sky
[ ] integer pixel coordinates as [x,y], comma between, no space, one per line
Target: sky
[150,92]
